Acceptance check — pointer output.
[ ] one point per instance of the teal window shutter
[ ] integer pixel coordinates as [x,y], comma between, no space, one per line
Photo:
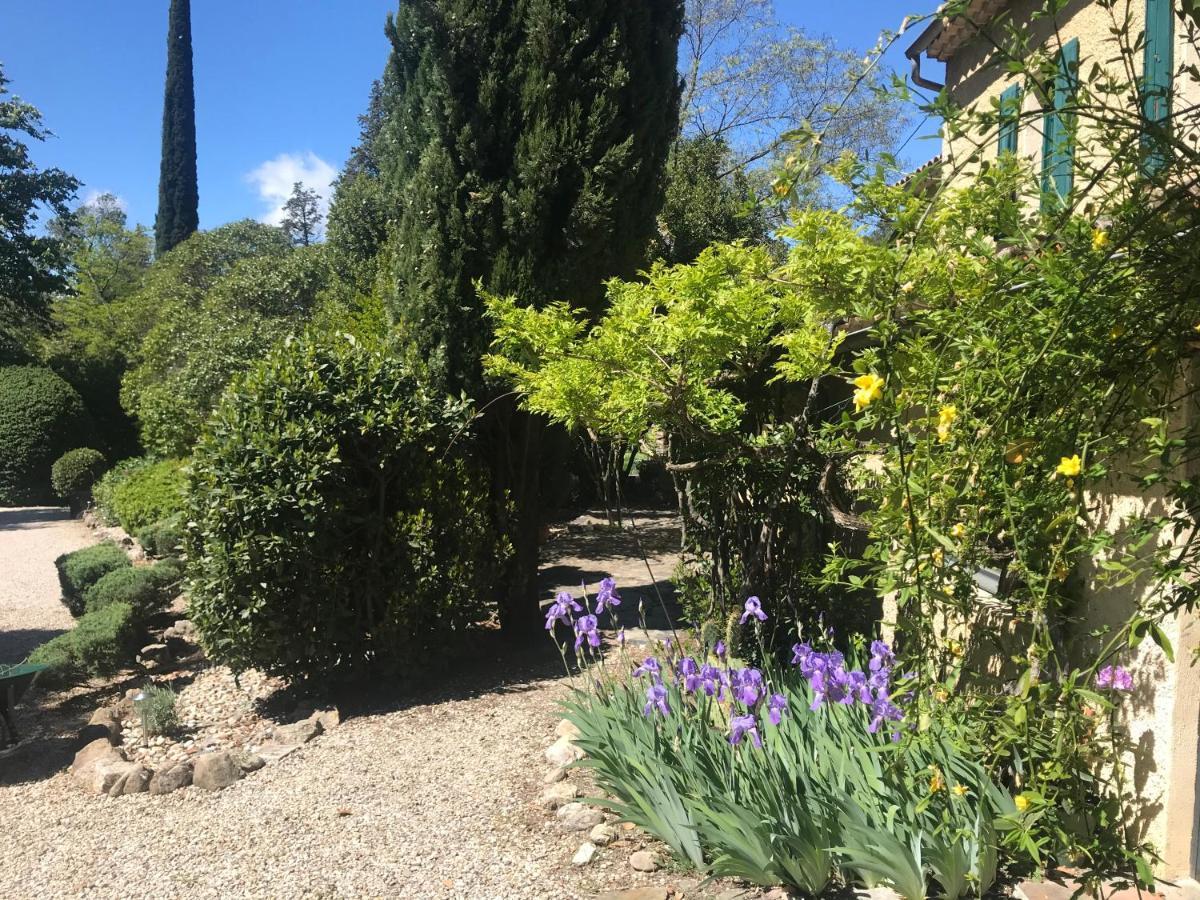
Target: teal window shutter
[1058,129]
[1158,68]
[1010,116]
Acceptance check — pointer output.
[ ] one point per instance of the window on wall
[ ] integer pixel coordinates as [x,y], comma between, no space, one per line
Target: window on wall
[1157,73]
[1058,130]
[1010,117]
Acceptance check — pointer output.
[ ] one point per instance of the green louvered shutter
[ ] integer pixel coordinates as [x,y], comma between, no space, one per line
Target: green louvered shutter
[1058,127]
[1158,66]
[1010,114]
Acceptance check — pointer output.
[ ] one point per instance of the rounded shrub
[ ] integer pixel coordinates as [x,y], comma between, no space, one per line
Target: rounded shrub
[149,493]
[141,588]
[336,518]
[79,570]
[74,473]
[100,645]
[162,539]
[41,417]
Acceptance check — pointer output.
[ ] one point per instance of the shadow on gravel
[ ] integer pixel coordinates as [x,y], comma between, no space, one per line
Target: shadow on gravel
[18,518]
[18,643]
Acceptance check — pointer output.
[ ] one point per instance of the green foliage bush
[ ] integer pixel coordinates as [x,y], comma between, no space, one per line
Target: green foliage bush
[163,538]
[156,709]
[79,570]
[146,589]
[104,490]
[339,520]
[100,644]
[74,473]
[41,417]
[149,493]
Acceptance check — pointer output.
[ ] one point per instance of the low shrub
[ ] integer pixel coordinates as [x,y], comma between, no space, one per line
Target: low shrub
[149,493]
[41,417]
[100,645]
[163,538]
[168,573]
[143,588]
[339,520]
[80,570]
[155,706]
[104,490]
[74,473]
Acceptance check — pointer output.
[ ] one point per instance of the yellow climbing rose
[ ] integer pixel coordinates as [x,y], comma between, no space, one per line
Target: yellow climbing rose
[870,389]
[1070,466]
[958,530]
[946,417]
[1022,802]
[1099,239]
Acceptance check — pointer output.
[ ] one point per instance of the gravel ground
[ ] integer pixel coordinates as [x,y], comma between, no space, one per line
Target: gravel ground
[31,611]
[428,795]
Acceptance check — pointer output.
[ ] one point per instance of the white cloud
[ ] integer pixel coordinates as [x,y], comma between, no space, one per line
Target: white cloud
[274,179]
[93,195]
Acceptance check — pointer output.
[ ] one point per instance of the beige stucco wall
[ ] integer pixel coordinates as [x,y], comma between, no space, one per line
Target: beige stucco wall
[1163,714]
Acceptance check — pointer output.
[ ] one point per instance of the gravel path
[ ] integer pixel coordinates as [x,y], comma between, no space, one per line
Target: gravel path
[427,795]
[31,609]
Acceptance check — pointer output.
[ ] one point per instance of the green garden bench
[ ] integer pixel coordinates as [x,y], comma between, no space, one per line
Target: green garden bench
[14,682]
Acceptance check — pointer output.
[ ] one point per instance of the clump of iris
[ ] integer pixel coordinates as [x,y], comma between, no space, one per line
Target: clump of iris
[586,626]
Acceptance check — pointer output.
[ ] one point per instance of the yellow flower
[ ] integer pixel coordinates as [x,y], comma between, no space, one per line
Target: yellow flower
[1099,239]
[1022,802]
[1070,466]
[908,287]
[870,389]
[960,790]
[937,556]
[936,781]
[1117,332]
[946,417]
[958,530]
[941,695]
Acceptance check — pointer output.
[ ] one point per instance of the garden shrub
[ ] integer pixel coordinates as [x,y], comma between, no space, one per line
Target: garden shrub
[80,570]
[41,417]
[163,538]
[336,518]
[156,709]
[149,493]
[74,473]
[100,644]
[146,589]
[104,490]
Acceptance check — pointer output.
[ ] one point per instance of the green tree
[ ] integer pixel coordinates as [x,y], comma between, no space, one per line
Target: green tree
[178,192]
[302,215]
[526,142]
[31,264]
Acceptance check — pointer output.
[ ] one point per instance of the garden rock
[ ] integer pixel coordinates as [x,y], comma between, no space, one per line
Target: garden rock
[298,733]
[555,775]
[584,854]
[273,751]
[136,780]
[562,752]
[640,893]
[602,835]
[558,794]
[579,817]
[107,718]
[248,762]
[644,861]
[327,717]
[215,771]
[566,729]
[98,765]
[168,780]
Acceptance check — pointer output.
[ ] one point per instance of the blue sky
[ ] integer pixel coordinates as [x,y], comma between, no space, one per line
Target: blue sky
[278,87]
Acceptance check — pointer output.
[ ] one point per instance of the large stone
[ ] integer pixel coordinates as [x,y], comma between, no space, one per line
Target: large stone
[273,751]
[326,716]
[578,817]
[584,854]
[136,780]
[215,771]
[97,749]
[644,861]
[248,762]
[559,794]
[98,766]
[562,752]
[566,729]
[640,893]
[109,718]
[298,732]
[167,780]
[183,630]
[602,835]
[154,653]
[555,775]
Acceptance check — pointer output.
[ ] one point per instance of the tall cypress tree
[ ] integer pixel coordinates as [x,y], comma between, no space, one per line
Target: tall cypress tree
[178,193]
[523,146]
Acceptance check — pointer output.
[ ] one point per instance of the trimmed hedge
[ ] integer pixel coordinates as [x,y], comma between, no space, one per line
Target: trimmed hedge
[41,417]
[100,645]
[147,589]
[78,571]
[163,538]
[149,493]
[74,473]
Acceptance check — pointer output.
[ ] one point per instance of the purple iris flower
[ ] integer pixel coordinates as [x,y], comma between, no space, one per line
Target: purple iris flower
[776,707]
[740,726]
[585,629]
[649,667]
[560,610]
[712,681]
[747,686]
[689,670]
[1115,678]
[753,608]
[881,656]
[884,710]
[719,650]
[607,596]
[800,654]
[621,636]
[858,687]
[831,685]
[656,699]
